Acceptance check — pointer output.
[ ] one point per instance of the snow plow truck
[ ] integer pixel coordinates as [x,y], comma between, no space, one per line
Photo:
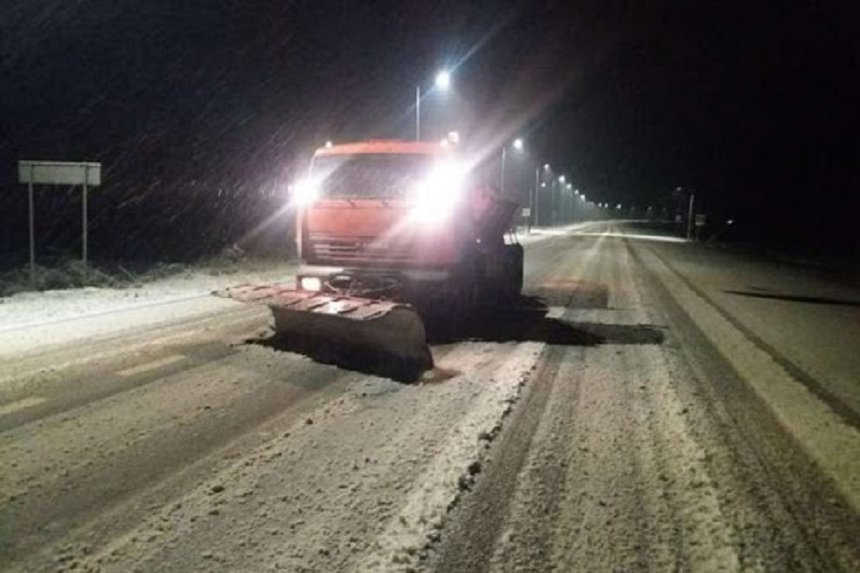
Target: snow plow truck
[390,233]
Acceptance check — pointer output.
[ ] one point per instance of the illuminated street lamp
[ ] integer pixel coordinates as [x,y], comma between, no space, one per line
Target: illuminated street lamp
[328,144]
[561,178]
[443,82]
[518,146]
[546,166]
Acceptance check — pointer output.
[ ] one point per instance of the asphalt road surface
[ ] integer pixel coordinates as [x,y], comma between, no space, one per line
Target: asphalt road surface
[650,405]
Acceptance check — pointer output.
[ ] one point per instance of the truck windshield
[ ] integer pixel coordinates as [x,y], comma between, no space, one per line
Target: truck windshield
[369,175]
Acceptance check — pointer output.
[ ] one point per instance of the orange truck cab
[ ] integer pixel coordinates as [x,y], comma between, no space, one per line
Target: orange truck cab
[403,220]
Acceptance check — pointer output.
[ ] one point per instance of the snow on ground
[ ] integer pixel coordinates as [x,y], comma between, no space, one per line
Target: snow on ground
[322,469]
[537,234]
[638,237]
[35,308]
[435,491]
[339,488]
[32,321]
[832,443]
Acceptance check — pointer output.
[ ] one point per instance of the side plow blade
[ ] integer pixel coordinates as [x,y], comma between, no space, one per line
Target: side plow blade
[382,337]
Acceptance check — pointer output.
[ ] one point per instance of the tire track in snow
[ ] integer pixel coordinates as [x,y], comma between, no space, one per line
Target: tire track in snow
[412,529]
[833,443]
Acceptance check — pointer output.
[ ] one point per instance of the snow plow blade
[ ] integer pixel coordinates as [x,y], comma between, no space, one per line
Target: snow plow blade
[382,337]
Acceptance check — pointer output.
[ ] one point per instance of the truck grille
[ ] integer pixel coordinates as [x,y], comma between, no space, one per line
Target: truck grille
[360,250]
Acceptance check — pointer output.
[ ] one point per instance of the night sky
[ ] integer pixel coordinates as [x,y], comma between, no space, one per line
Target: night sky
[202,111]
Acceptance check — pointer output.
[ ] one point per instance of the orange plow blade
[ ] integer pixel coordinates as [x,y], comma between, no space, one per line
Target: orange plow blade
[379,336]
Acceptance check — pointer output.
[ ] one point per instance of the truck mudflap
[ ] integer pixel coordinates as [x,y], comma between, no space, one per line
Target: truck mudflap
[378,336]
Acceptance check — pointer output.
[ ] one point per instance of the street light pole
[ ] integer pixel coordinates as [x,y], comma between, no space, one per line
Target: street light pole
[502,171]
[418,113]
[535,197]
[558,206]
[518,146]
[538,184]
[443,81]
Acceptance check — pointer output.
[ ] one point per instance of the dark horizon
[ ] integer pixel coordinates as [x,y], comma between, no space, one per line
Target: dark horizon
[202,114]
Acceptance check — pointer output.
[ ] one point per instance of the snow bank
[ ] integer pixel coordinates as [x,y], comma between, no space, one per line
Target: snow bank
[27,309]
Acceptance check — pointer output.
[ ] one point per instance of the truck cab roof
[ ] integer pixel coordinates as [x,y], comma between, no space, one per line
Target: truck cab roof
[384,146]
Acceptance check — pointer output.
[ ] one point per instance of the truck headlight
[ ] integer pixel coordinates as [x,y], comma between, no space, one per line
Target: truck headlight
[305,191]
[310,283]
[436,196]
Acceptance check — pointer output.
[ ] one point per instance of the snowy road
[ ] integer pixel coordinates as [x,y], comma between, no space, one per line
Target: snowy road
[675,408]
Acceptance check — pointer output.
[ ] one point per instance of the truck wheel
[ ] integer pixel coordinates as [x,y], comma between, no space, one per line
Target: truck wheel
[459,309]
[513,270]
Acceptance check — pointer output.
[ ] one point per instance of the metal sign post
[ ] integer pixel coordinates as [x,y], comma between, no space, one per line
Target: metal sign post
[84,221]
[32,225]
[690,217]
[58,173]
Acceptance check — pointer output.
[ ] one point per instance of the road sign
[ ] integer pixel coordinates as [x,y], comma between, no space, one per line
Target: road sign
[527,212]
[58,173]
[701,220]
